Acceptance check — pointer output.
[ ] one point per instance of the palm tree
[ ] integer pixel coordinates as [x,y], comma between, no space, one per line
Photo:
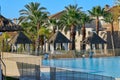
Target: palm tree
[69,21]
[44,34]
[109,18]
[30,31]
[36,15]
[84,19]
[54,23]
[97,12]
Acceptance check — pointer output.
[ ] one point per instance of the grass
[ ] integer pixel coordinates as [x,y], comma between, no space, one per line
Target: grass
[11,78]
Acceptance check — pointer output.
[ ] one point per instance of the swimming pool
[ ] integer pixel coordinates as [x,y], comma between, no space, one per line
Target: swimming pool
[107,66]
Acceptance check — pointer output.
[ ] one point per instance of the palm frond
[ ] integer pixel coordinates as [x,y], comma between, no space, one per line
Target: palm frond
[108,17]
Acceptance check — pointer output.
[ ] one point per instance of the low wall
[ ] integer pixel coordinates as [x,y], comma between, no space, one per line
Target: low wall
[11,61]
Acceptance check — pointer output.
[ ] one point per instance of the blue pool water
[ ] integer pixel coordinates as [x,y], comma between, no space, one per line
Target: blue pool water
[108,66]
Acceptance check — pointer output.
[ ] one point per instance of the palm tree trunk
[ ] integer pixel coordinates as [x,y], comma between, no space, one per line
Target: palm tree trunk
[38,45]
[72,37]
[112,29]
[41,42]
[83,36]
[112,38]
[38,26]
[33,45]
[54,29]
[44,44]
[97,30]
[97,25]
[38,40]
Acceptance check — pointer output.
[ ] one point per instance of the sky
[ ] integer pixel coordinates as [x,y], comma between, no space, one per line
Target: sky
[10,8]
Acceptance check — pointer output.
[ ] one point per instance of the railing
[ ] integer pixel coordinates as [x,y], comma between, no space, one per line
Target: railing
[65,74]
[3,68]
[29,71]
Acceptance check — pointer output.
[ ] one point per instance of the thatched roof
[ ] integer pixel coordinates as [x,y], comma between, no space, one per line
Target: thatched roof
[58,37]
[94,39]
[20,38]
[8,25]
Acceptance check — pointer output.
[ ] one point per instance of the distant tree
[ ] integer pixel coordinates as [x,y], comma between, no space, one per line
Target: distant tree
[54,23]
[44,34]
[84,19]
[70,20]
[97,12]
[109,18]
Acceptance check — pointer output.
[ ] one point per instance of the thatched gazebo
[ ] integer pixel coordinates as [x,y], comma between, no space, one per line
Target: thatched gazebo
[20,38]
[93,39]
[7,25]
[58,41]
